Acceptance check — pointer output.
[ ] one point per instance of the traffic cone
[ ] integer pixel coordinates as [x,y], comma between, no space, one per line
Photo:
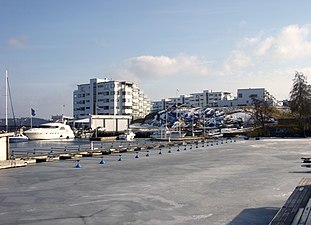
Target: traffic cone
[102,161]
[78,165]
[120,158]
[137,156]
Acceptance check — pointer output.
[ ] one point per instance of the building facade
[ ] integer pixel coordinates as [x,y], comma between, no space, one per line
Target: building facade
[207,98]
[246,96]
[109,97]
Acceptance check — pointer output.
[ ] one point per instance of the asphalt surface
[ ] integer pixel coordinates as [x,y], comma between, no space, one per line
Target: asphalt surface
[242,182]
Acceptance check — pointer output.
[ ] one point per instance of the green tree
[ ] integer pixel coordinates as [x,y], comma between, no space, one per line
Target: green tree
[300,100]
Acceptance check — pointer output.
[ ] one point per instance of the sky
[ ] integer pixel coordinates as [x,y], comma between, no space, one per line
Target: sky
[167,47]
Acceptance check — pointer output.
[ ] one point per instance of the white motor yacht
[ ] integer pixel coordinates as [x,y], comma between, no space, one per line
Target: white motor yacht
[50,131]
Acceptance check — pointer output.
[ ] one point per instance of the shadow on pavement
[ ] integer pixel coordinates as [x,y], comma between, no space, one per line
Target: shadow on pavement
[255,216]
[300,171]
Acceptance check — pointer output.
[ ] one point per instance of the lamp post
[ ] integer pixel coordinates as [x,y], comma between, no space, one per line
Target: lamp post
[192,127]
[203,125]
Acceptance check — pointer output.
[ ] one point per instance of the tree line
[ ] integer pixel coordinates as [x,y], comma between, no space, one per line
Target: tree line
[299,104]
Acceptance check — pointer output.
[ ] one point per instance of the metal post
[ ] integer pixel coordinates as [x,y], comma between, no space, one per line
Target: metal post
[6,100]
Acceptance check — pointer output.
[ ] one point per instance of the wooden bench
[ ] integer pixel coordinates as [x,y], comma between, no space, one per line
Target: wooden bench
[306,159]
[296,210]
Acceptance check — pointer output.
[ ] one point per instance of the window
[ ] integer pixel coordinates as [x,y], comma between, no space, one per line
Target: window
[240,95]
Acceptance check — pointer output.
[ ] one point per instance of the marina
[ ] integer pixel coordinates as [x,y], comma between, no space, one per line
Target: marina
[155,113]
[220,182]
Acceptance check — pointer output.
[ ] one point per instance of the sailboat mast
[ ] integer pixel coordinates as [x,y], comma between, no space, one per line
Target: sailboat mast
[6,100]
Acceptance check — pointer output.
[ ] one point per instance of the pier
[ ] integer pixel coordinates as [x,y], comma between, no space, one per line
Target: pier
[37,155]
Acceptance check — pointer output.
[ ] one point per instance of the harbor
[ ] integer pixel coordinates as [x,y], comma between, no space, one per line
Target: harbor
[155,113]
[219,182]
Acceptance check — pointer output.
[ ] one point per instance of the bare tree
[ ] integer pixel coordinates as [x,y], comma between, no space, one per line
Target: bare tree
[300,100]
[262,113]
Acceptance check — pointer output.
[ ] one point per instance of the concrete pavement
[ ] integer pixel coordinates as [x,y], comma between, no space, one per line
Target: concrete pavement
[245,182]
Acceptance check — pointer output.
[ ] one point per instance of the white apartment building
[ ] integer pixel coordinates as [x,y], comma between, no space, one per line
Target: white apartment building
[207,98]
[109,97]
[245,97]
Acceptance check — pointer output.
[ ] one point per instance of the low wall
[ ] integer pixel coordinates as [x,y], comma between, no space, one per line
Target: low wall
[5,146]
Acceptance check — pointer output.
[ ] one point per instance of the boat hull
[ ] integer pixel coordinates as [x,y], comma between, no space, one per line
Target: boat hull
[17,140]
[48,136]
[50,131]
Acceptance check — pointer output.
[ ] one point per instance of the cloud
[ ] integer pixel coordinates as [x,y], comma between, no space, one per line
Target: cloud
[267,60]
[264,46]
[289,44]
[156,67]
[293,42]
[18,42]
[237,59]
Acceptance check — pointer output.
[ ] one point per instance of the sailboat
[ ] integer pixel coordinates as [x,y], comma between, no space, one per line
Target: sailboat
[18,135]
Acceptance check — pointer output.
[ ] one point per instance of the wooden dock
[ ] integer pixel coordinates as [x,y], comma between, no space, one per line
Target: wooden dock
[16,162]
[296,210]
